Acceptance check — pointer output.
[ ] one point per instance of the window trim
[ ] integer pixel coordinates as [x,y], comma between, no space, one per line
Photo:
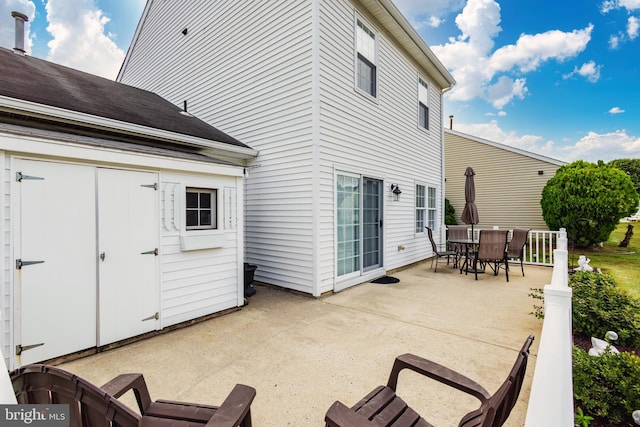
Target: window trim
[422,219]
[213,209]
[361,56]
[423,103]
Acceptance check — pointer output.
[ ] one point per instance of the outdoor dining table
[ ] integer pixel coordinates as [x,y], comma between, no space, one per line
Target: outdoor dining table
[469,244]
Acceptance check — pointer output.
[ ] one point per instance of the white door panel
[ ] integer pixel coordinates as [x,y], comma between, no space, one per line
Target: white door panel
[56,298]
[128,237]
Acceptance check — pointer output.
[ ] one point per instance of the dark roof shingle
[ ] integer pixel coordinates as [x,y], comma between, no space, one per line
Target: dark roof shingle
[31,79]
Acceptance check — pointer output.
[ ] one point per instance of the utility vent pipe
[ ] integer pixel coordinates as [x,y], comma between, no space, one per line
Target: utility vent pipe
[451,122]
[20,20]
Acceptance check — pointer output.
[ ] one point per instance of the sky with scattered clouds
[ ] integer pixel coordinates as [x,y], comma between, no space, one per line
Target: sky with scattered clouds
[558,78]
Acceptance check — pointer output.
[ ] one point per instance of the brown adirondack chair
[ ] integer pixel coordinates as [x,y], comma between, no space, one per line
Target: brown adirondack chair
[92,406]
[383,408]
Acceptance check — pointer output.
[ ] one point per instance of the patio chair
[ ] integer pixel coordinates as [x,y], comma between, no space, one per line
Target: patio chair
[515,250]
[439,253]
[382,407]
[91,406]
[457,232]
[492,251]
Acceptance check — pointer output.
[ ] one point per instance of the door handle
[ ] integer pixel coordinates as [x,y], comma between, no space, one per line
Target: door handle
[102,256]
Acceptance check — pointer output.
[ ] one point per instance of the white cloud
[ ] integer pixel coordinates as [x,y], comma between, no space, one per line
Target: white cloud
[588,70]
[79,39]
[633,25]
[592,147]
[475,67]
[502,113]
[505,90]
[7,22]
[609,5]
[414,9]
[606,147]
[427,13]
[614,41]
[616,110]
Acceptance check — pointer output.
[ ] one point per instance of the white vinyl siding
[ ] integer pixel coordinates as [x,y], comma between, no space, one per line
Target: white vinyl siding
[192,283]
[214,67]
[381,140]
[303,115]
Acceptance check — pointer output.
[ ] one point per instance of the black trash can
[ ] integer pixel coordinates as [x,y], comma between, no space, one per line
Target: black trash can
[249,271]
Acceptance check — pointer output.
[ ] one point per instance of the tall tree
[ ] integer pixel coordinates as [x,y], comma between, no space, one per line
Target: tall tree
[588,200]
[631,167]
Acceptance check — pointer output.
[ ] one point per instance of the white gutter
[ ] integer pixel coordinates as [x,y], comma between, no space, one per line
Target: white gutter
[18,106]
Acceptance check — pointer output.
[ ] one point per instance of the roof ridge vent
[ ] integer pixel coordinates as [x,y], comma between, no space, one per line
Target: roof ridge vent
[20,18]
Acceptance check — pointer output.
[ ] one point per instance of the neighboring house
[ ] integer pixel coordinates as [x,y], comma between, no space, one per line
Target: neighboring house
[120,213]
[508,180]
[343,99]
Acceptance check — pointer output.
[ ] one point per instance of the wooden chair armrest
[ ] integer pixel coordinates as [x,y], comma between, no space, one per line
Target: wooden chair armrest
[125,382]
[340,415]
[235,407]
[438,373]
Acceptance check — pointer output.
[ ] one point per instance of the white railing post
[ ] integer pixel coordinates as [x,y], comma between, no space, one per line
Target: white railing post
[551,397]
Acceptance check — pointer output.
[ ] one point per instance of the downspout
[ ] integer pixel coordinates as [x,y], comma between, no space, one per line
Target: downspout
[443,235]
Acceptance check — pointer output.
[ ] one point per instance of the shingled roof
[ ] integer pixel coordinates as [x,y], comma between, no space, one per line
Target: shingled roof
[35,80]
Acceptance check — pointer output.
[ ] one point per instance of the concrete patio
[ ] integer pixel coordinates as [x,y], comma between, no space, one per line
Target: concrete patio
[302,354]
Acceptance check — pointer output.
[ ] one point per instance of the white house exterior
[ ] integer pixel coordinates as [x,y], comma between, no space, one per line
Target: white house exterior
[98,241]
[342,99]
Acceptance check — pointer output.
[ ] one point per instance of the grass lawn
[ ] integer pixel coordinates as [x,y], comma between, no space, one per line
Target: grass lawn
[623,264]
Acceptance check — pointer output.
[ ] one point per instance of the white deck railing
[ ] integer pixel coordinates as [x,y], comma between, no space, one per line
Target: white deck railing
[539,249]
[551,397]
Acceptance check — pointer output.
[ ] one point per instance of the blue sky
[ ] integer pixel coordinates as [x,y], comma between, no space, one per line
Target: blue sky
[558,78]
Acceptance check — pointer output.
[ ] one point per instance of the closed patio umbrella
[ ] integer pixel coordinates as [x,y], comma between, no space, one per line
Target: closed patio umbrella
[470,211]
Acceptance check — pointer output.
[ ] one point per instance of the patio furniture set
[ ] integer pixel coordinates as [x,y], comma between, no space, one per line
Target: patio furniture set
[493,248]
[92,406]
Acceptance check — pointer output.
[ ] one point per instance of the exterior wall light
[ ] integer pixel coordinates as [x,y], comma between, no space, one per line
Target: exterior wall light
[395,189]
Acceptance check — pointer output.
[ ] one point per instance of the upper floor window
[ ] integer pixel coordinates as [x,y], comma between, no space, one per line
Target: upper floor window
[366,59]
[202,212]
[423,104]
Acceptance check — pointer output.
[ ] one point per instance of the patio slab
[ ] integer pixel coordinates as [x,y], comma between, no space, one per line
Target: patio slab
[302,354]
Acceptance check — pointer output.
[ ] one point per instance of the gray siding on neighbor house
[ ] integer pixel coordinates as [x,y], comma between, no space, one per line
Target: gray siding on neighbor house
[508,183]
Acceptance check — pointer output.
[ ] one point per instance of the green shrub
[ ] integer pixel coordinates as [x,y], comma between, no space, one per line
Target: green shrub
[600,306]
[449,213]
[588,199]
[607,387]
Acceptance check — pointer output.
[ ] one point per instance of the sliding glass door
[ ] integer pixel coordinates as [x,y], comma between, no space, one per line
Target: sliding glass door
[359,224]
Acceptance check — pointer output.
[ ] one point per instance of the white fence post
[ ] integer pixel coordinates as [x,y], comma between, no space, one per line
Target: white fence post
[551,397]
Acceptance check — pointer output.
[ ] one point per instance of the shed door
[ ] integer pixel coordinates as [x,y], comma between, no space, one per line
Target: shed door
[128,254]
[56,284]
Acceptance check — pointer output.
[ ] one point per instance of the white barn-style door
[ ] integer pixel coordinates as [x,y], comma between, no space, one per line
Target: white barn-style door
[55,271]
[128,254]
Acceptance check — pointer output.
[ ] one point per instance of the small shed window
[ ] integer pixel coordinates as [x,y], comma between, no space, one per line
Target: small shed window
[202,209]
